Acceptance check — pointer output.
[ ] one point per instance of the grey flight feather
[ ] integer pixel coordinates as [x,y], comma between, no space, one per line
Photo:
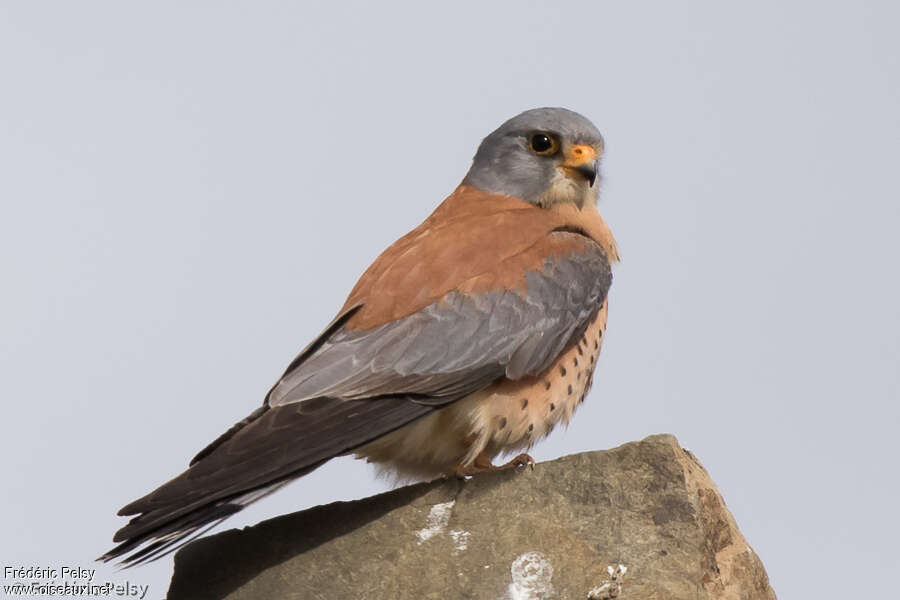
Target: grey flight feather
[460,343]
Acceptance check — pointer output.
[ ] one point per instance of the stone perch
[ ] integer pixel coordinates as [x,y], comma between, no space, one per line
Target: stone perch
[640,521]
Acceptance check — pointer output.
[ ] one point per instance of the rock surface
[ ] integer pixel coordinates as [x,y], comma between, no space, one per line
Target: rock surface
[565,530]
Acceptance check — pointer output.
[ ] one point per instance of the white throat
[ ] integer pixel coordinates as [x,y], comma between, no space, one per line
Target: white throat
[564,188]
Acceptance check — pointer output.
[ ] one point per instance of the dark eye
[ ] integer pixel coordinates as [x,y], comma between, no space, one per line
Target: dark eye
[541,143]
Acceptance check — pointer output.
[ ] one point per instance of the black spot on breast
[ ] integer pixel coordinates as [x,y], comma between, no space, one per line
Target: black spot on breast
[580,351]
[524,403]
[592,358]
[502,422]
[576,362]
[552,407]
[562,370]
[531,427]
[570,390]
[547,385]
[596,345]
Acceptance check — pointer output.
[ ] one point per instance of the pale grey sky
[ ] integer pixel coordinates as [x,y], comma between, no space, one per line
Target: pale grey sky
[190,190]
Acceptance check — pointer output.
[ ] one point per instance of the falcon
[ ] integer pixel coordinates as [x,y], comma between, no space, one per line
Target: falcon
[472,336]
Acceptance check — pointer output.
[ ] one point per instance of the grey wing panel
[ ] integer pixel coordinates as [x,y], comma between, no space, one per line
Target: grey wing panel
[460,343]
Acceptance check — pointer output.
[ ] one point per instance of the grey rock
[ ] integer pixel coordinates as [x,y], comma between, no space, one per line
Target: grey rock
[640,521]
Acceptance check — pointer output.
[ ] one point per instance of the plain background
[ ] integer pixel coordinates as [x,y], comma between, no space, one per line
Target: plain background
[189,191]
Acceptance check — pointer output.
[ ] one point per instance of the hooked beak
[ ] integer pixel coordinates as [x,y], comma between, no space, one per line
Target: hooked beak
[581,161]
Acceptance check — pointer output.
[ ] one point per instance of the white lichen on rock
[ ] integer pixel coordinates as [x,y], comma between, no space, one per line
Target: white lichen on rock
[531,573]
[436,522]
[460,539]
[612,587]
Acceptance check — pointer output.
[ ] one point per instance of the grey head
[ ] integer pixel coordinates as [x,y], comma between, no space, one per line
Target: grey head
[544,156]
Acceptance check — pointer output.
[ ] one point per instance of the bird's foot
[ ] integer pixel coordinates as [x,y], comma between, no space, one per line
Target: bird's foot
[522,460]
[483,464]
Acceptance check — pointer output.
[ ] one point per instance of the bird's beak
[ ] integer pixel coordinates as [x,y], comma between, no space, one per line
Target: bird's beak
[581,161]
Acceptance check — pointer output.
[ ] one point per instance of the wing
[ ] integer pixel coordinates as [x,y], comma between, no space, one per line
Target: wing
[462,341]
[493,290]
[487,286]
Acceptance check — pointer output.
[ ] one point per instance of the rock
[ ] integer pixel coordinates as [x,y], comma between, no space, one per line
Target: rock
[640,521]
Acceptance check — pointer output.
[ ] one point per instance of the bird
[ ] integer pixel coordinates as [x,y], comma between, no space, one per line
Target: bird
[471,336]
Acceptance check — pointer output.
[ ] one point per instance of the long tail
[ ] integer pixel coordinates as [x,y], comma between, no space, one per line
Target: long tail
[256,457]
